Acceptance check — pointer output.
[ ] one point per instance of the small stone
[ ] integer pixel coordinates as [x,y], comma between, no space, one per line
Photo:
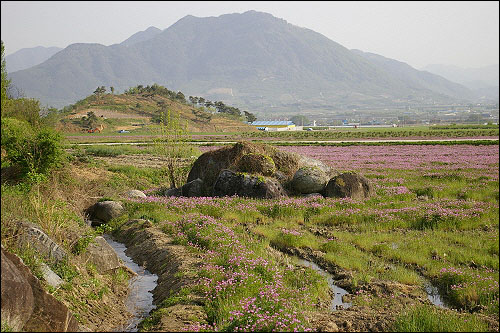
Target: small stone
[105,211]
[50,277]
[102,255]
[136,194]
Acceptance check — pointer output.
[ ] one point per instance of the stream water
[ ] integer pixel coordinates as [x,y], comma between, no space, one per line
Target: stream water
[338,292]
[434,296]
[140,299]
[337,303]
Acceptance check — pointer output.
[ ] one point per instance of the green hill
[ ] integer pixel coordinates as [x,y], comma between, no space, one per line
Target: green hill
[140,113]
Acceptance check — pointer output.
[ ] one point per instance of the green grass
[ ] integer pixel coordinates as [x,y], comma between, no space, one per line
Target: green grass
[6,327]
[115,150]
[143,178]
[431,319]
[447,219]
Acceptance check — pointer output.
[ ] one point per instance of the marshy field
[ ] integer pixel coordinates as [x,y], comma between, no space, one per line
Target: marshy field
[421,254]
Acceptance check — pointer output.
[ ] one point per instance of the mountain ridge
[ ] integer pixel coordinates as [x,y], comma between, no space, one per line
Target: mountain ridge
[29,57]
[141,36]
[252,60]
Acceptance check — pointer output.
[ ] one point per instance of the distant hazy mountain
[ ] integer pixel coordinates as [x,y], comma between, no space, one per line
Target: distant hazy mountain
[253,60]
[28,57]
[487,75]
[141,36]
[483,80]
[416,78]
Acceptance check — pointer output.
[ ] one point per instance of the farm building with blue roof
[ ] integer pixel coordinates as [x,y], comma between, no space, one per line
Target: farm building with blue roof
[274,125]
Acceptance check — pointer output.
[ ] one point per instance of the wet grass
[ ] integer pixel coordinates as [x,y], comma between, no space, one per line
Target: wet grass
[431,319]
[440,225]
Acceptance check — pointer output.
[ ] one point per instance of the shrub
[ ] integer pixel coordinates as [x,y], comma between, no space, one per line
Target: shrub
[34,150]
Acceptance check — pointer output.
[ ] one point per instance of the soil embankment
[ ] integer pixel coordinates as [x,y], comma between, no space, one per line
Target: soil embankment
[175,266]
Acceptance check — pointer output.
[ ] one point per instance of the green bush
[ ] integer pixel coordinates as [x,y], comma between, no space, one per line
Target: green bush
[35,150]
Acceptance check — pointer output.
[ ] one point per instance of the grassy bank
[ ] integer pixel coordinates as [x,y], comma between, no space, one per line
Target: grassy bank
[434,218]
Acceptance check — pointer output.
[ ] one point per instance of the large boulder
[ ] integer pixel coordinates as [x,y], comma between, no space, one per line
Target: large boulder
[256,163]
[231,183]
[17,296]
[105,211]
[309,179]
[102,255]
[349,185]
[43,314]
[191,189]
[253,158]
[29,234]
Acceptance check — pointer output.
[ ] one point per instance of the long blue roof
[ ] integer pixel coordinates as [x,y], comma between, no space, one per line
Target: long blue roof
[272,122]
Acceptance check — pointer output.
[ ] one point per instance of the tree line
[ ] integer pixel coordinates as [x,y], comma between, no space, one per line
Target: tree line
[219,106]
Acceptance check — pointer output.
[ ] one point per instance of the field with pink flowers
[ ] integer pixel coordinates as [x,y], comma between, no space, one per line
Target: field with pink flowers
[433,221]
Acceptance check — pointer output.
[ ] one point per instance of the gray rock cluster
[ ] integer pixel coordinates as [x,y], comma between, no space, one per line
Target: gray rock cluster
[231,183]
[261,171]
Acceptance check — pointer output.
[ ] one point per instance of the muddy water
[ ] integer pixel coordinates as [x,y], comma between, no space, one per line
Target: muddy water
[140,300]
[338,292]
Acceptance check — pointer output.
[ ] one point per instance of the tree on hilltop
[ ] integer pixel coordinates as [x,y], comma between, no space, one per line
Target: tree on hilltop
[99,91]
[250,116]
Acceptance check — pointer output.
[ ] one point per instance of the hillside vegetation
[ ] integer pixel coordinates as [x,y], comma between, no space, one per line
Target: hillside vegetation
[140,110]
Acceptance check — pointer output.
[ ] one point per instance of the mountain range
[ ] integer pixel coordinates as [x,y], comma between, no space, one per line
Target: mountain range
[252,60]
[484,81]
[29,57]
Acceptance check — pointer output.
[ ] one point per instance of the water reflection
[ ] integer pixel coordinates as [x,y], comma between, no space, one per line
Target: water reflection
[140,300]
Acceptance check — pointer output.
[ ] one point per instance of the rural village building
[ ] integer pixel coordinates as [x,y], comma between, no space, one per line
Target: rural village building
[275,125]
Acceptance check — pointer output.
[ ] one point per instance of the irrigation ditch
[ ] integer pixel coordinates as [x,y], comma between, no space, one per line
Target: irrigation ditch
[140,298]
[164,268]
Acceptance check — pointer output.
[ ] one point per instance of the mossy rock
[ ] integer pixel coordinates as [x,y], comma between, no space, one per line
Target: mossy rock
[256,163]
[349,185]
[309,179]
[249,157]
[209,165]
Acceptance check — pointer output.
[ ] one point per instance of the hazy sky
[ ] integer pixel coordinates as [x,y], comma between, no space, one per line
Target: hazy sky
[464,34]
